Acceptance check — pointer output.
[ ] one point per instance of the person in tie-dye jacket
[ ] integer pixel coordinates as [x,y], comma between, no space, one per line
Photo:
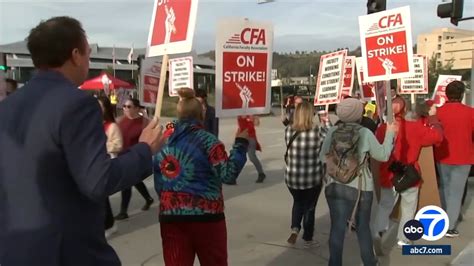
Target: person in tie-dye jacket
[189,172]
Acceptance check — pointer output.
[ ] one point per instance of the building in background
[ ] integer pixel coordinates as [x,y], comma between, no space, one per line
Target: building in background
[19,66]
[447,44]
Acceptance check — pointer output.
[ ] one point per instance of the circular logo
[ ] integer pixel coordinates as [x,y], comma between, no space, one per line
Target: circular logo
[435,222]
[413,230]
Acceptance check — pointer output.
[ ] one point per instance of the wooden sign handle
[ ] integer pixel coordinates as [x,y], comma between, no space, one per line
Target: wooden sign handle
[161,87]
[389,102]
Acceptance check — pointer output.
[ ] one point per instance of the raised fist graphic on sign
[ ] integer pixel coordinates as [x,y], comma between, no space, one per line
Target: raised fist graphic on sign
[245,95]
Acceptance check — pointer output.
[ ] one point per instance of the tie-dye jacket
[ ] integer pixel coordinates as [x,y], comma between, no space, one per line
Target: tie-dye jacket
[189,172]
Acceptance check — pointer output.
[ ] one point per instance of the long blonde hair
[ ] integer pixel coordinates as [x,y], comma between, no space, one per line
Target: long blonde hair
[189,107]
[303,117]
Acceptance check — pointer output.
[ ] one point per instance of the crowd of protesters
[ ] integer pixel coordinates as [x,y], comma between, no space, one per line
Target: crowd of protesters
[56,211]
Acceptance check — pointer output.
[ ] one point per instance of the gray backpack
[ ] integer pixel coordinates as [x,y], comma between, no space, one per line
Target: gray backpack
[342,160]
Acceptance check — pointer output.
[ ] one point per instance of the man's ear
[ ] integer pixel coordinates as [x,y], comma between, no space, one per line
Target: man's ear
[76,57]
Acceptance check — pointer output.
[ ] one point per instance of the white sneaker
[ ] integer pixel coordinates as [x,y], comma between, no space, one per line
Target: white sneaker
[402,243]
[112,230]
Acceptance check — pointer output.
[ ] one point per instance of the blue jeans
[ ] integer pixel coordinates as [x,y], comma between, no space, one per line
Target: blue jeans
[252,154]
[341,200]
[452,181]
[304,207]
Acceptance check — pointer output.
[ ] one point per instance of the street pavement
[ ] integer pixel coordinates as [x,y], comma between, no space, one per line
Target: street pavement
[258,219]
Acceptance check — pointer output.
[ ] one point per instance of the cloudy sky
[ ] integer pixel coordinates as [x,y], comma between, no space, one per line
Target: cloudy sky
[298,24]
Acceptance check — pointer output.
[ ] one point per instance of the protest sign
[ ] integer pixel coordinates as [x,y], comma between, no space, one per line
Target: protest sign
[172,27]
[243,67]
[367,89]
[349,70]
[386,44]
[330,78]
[181,75]
[150,79]
[418,83]
[274,74]
[381,98]
[439,94]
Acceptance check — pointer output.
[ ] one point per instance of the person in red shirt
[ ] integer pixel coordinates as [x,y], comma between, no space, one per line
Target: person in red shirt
[131,125]
[411,137]
[455,155]
[249,122]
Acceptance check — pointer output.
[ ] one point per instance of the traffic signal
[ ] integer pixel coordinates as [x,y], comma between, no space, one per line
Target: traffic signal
[3,68]
[374,6]
[451,10]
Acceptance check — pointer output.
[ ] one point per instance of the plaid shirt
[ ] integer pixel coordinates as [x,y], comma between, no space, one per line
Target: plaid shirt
[304,169]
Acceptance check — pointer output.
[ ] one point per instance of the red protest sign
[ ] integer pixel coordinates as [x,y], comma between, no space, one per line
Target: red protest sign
[244,70]
[367,89]
[439,95]
[172,27]
[150,89]
[243,61]
[150,80]
[349,70]
[386,44]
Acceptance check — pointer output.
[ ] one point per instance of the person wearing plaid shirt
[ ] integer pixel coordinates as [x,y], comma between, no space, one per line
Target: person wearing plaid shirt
[304,170]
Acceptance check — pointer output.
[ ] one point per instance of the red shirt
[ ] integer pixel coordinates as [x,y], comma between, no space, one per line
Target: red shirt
[131,130]
[457,147]
[411,137]
[246,122]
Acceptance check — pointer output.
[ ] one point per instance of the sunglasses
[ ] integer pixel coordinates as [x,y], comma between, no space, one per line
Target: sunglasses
[128,106]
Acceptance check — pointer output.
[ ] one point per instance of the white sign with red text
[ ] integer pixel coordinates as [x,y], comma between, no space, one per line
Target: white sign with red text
[439,94]
[150,80]
[386,44]
[181,74]
[243,67]
[349,70]
[418,83]
[330,78]
[367,89]
[172,27]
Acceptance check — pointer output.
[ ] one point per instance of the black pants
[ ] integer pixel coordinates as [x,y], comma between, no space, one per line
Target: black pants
[127,195]
[304,207]
[109,217]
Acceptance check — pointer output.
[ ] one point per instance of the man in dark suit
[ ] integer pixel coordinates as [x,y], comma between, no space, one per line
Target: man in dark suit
[55,173]
[211,122]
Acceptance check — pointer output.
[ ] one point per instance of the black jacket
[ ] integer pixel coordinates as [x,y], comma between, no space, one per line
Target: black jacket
[211,122]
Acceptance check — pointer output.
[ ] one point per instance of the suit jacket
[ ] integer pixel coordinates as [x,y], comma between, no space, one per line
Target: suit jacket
[55,175]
